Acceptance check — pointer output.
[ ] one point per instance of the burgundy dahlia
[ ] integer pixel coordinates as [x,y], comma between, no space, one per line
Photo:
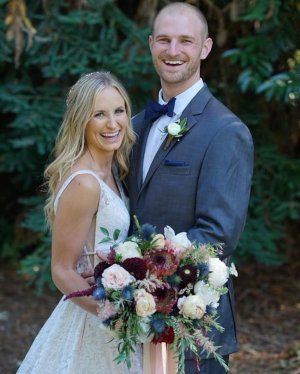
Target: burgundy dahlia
[188,274]
[166,337]
[165,298]
[161,262]
[136,267]
[99,269]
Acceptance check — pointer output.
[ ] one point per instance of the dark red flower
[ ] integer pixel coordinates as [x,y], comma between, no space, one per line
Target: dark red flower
[111,257]
[136,267]
[99,269]
[188,274]
[161,262]
[166,337]
[86,292]
[165,298]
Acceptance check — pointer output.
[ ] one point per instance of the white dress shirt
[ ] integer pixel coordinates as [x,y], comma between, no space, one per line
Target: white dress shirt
[157,135]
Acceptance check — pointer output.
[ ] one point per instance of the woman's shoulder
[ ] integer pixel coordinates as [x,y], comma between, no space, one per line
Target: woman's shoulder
[79,184]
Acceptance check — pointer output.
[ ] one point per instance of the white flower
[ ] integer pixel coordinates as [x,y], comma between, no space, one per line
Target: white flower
[232,270]
[208,294]
[158,241]
[191,306]
[218,272]
[174,128]
[180,241]
[128,250]
[144,303]
[116,277]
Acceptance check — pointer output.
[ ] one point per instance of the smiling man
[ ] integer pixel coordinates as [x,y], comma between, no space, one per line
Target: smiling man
[199,181]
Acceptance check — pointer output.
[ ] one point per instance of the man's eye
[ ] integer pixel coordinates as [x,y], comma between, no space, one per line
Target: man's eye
[186,41]
[163,41]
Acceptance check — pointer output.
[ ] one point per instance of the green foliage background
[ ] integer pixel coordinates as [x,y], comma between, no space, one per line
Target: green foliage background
[254,69]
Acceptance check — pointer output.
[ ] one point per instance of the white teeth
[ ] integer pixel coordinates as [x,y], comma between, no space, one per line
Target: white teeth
[110,134]
[174,62]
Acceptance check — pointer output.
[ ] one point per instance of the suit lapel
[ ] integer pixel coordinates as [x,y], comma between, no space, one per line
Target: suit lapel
[192,113]
[140,151]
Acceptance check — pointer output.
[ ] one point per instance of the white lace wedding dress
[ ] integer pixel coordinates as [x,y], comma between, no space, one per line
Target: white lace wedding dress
[72,341]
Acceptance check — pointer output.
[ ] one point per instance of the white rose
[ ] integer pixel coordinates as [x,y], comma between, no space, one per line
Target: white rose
[158,241]
[218,272]
[191,306]
[174,128]
[128,250]
[208,294]
[144,303]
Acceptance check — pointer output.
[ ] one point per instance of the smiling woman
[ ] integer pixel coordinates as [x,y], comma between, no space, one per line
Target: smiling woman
[84,194]
[105,130]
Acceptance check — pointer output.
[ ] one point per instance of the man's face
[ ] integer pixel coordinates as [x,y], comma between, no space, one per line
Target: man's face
[177,46]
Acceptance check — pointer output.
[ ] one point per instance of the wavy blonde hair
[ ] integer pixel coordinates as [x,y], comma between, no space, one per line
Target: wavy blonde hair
[70,141]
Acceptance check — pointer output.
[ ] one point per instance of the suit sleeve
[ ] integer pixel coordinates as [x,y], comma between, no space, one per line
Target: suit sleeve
[224,188]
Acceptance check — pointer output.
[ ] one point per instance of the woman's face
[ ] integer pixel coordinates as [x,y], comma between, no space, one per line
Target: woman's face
[106,129]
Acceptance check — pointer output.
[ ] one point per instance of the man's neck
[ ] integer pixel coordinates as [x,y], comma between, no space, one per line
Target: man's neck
[170,90]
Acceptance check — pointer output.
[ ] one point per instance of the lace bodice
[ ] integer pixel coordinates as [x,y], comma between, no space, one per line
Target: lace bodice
[112,214]
[72,340]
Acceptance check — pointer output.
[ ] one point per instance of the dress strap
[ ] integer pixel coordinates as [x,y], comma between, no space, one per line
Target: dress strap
[68,181]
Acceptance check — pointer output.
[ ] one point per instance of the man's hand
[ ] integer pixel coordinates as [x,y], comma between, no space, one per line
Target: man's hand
[89,277]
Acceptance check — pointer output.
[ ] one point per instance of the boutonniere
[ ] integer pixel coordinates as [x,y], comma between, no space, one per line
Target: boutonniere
[175,130]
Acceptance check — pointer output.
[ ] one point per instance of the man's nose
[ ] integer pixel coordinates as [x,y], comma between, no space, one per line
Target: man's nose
[173,48]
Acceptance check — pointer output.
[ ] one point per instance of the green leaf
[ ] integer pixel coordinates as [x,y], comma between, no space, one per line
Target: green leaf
[116,234]
[104,231]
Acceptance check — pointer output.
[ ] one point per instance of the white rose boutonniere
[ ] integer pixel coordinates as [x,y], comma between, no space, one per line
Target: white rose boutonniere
[175,130]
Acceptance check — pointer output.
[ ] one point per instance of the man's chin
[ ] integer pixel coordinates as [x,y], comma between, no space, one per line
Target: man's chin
[172,77]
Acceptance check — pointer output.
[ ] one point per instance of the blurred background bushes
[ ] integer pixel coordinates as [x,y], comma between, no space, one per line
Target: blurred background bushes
[254,69]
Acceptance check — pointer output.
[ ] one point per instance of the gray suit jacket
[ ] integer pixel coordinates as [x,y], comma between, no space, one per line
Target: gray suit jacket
[200,184]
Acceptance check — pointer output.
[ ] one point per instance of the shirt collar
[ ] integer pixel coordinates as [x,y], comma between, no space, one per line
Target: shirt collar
[183,99]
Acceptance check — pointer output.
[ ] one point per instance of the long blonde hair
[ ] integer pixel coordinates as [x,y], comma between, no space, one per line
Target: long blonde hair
[70,141]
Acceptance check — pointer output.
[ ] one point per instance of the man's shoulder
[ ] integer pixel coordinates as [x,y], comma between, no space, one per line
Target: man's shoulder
[138,121]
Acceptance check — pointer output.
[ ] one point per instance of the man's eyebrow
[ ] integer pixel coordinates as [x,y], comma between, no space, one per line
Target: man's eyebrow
[179,36]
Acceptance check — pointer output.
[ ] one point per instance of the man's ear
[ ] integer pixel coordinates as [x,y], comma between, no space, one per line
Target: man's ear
[206,48]
[150,40]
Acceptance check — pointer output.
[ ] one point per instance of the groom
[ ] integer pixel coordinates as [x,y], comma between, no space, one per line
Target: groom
[200,181]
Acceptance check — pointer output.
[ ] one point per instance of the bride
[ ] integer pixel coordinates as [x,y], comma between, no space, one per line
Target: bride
[84,194]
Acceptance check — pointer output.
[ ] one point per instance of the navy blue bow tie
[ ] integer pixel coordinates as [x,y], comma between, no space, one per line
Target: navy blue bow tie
[155,110]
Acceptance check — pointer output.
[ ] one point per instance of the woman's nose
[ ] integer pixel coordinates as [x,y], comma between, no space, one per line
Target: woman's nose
[112,122]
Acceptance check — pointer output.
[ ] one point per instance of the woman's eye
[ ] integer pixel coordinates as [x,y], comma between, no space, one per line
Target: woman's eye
[99,115]
[120,110]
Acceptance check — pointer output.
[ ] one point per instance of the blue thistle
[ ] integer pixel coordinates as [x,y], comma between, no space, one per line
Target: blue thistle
[127,293]
[99,293]
[174,280]
[204,269]
[210,310]
[147,230]
[158,324]
[107,322]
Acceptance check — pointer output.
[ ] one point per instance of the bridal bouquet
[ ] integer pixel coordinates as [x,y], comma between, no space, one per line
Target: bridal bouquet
[160,288]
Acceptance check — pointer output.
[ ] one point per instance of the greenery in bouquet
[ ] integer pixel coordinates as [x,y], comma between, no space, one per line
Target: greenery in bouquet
[161,289]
